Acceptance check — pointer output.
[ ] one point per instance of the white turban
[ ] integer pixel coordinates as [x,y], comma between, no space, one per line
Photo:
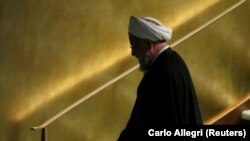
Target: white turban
[149,28]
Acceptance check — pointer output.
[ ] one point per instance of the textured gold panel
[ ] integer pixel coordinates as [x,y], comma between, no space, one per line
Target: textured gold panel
[54,52]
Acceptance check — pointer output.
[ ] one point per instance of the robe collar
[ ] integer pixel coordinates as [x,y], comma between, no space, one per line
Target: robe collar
[156,56]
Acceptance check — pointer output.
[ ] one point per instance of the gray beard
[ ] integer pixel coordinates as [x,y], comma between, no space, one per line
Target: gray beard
[145,63]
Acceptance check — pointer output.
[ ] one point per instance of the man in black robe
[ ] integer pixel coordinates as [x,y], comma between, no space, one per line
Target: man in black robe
[166,95]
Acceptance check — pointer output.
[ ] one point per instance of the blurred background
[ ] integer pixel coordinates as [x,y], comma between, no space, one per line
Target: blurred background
[53,52]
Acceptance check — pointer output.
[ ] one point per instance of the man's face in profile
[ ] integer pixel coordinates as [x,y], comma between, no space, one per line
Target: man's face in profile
[140,50]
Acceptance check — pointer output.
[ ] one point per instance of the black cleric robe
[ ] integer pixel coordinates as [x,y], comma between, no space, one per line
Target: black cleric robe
[165,97]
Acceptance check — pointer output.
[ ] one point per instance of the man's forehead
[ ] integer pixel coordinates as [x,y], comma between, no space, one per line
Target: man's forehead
[133,38]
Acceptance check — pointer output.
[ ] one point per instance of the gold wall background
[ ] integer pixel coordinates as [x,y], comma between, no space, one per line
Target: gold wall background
[53,52]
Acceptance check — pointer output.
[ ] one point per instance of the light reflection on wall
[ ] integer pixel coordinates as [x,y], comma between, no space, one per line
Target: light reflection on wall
[58,88]
[187,13]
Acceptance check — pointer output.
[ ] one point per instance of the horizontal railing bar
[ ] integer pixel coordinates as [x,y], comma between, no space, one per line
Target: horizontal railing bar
[43,125]
[94,92]
[208,23]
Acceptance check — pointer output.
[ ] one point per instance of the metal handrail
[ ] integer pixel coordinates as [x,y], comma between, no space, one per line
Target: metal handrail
[227,111]
[94,92]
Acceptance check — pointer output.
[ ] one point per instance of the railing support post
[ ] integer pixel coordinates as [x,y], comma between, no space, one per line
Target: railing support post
[44,135]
